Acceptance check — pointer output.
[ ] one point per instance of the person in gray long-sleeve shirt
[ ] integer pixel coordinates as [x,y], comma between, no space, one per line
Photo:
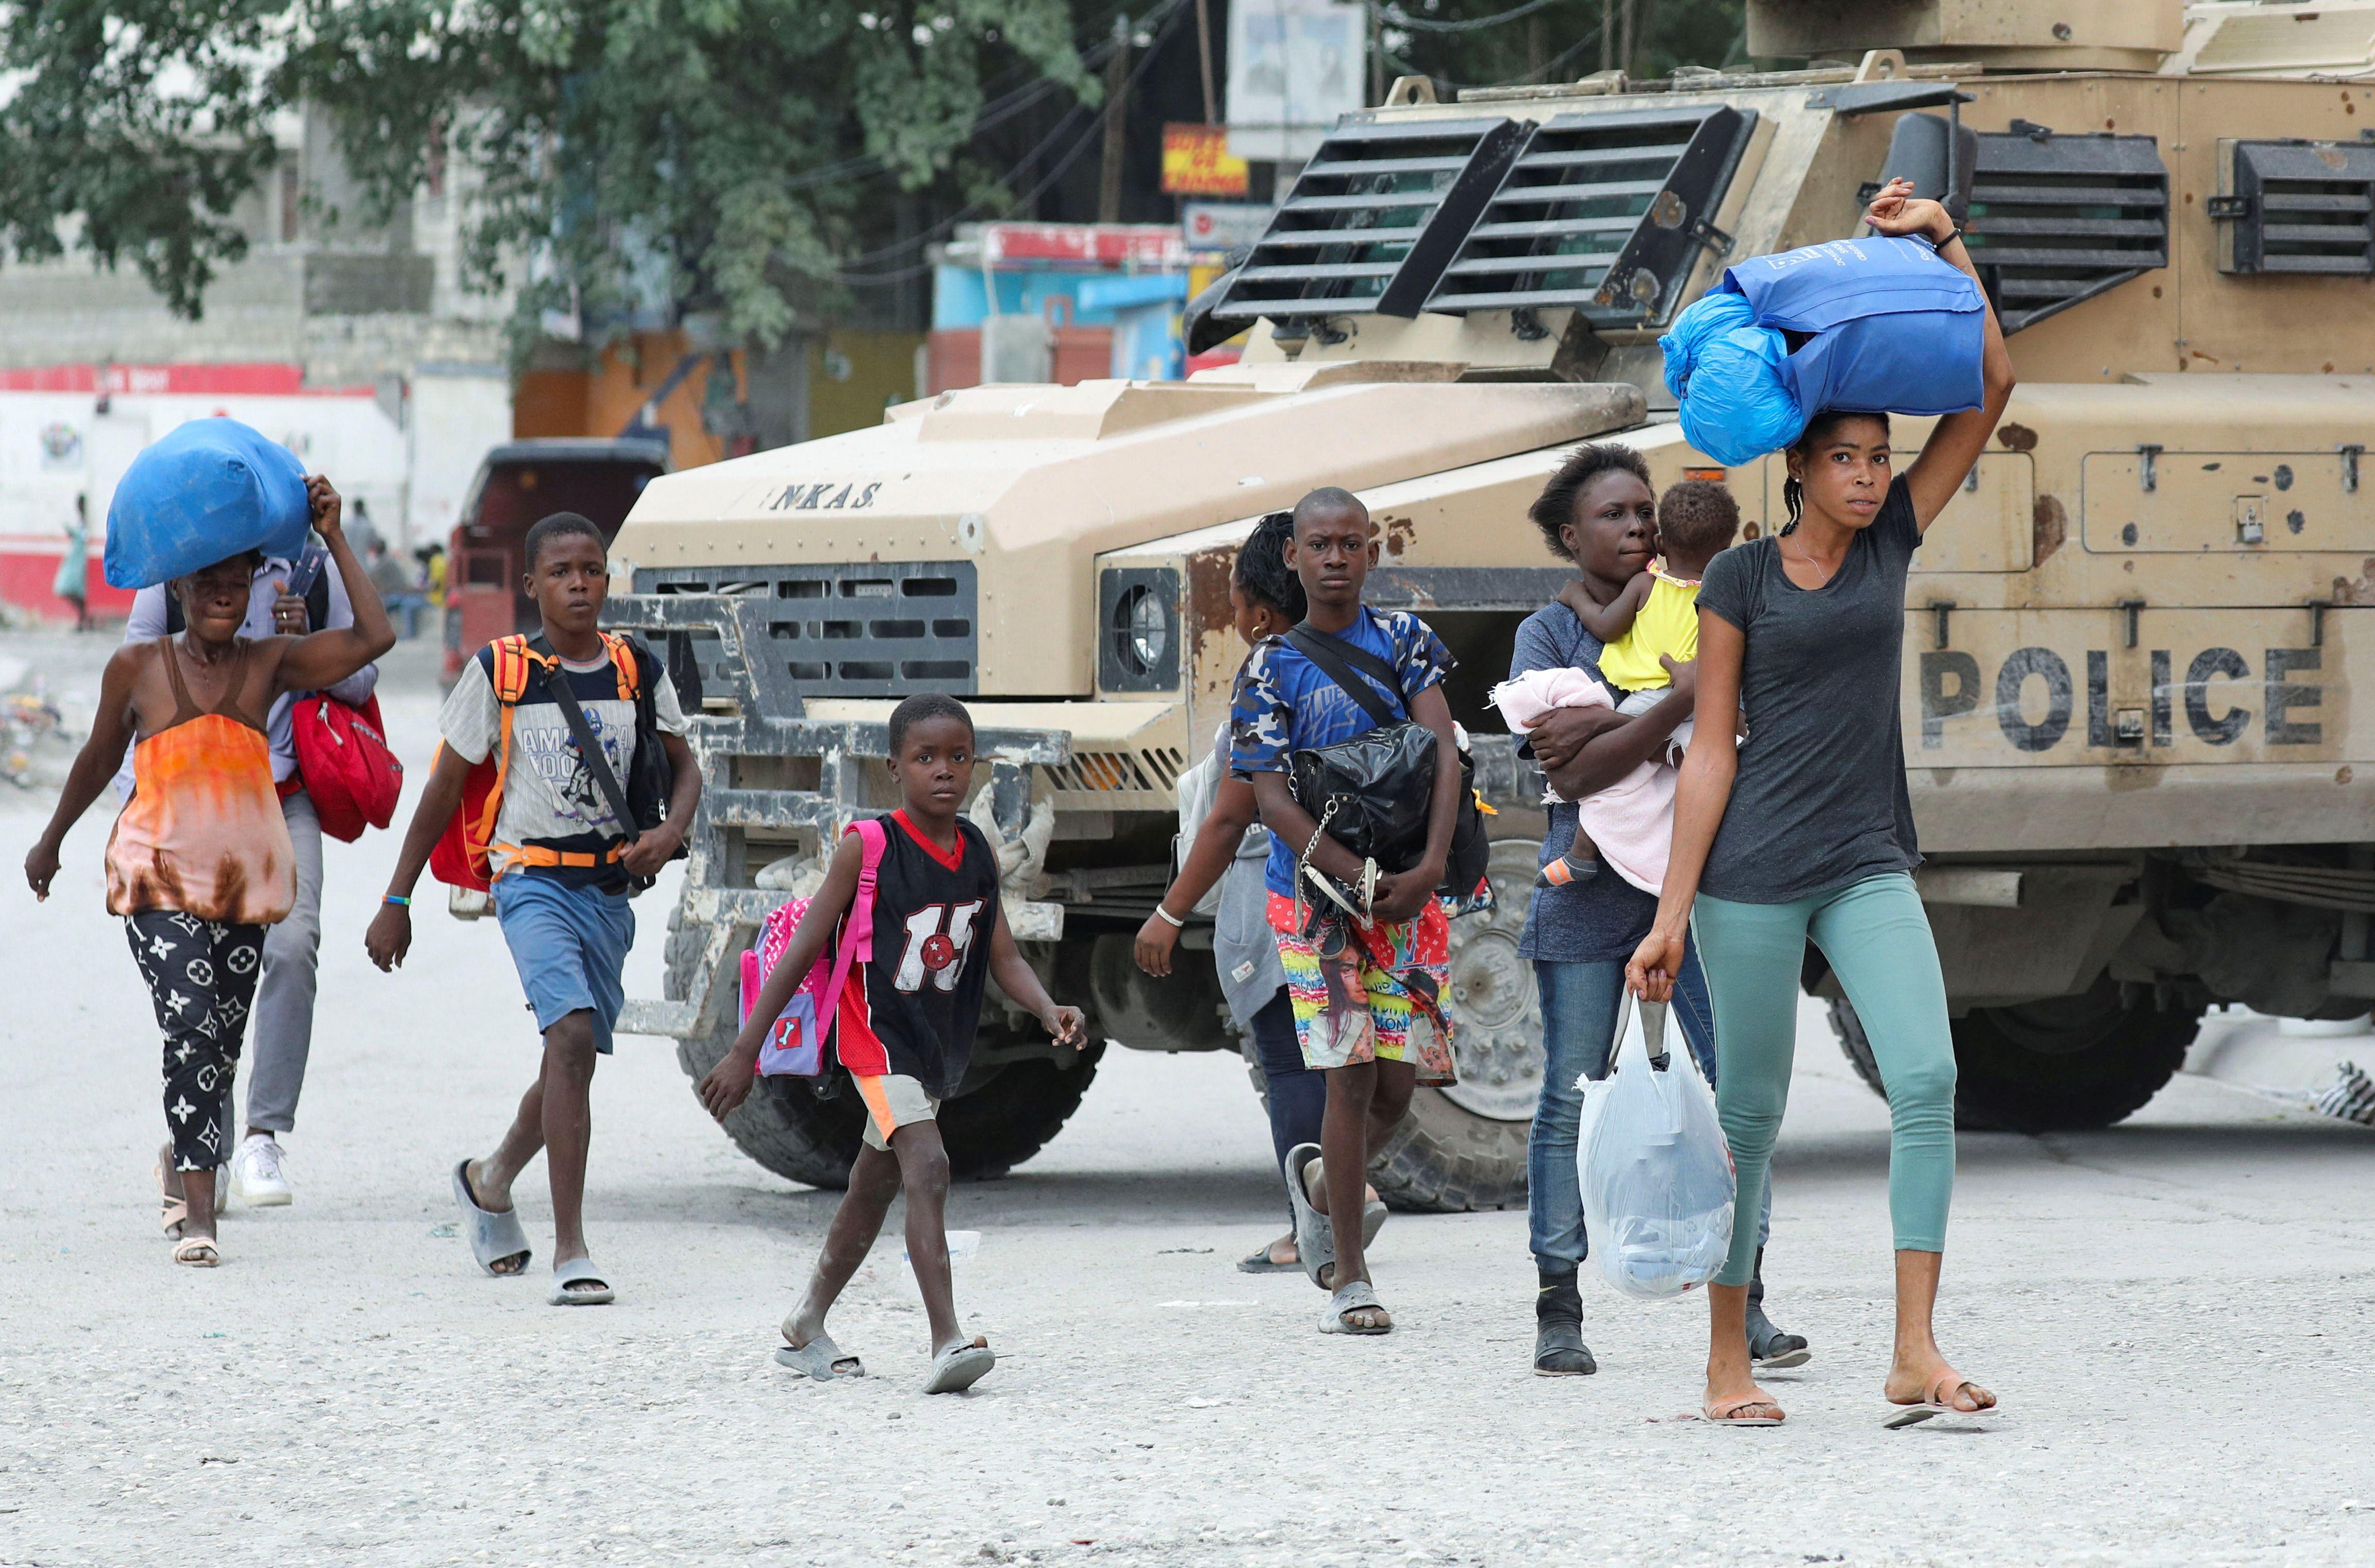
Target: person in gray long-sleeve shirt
[284,997]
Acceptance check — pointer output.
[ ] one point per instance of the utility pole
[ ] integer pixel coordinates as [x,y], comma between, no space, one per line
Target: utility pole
[1624,45]
[1607,35]
[1204,53]
[1117,108]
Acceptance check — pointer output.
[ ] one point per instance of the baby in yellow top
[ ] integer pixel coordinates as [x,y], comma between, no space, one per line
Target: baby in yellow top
[1653,619]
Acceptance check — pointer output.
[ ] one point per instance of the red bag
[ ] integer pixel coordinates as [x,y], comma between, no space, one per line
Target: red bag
[342,755]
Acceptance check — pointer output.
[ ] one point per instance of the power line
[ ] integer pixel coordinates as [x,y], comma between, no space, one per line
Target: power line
[1172,13]
[1394,16]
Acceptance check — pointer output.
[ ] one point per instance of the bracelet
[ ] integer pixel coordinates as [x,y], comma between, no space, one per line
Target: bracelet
[1169,919]
[399,900]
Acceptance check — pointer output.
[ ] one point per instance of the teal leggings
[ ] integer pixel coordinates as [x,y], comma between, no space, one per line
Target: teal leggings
[1878,942]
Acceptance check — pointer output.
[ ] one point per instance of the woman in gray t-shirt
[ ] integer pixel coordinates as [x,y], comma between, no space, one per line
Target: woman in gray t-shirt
[1804,831]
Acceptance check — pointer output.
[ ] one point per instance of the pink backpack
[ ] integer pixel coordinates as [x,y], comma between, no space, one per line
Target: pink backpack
[795,1042]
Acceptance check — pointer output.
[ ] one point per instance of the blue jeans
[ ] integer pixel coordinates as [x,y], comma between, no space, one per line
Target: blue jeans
[1580,1003]
[1297,1093]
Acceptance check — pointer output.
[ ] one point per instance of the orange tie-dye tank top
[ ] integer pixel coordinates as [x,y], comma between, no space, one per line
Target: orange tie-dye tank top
[203,832]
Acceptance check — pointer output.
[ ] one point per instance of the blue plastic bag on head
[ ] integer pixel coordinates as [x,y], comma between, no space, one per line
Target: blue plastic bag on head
[208,491]
[1731,377]
[1894,329]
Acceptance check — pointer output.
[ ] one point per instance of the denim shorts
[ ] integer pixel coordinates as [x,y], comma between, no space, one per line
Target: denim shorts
[570,946]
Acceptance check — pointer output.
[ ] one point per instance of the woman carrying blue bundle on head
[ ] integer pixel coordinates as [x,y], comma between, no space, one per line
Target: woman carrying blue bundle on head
[1804,831]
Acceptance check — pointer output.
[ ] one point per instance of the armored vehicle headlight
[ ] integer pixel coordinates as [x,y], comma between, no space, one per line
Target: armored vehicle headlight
[1140,640]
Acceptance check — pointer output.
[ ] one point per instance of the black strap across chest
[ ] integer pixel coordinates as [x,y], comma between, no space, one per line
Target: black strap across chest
[1337,659]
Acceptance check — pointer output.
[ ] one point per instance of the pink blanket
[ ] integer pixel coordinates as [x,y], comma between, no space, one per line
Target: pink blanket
[1631,821]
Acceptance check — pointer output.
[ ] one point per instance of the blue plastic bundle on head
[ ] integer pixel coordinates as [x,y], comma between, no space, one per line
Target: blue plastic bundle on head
[209,490]
[1726,373]
[1891,329]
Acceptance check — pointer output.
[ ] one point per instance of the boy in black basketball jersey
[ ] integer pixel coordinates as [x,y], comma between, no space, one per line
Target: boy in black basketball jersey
[904,1029]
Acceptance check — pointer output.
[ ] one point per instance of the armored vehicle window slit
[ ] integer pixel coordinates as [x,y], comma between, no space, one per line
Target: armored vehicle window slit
[1372,220]
[2056,219]
[1601,213]
[2296,207]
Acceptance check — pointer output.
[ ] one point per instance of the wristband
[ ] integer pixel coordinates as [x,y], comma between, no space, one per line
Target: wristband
[399,900]
[1169,919]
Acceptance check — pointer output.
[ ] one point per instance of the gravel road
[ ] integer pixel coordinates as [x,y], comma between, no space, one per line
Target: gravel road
[2180,1315]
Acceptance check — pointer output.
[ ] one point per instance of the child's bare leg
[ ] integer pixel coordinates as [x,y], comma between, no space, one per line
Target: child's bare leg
[1580,864]
[924,1173]
[568,1127]
[873,1183]
[1344,1163]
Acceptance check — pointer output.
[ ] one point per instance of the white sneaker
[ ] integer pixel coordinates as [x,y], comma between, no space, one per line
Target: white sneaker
[257,1178]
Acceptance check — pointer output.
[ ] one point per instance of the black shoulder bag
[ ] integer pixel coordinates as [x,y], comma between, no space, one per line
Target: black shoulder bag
[639,817]
[1373,792]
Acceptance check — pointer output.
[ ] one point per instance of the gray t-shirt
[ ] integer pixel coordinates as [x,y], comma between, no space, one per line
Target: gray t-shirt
[1820,801]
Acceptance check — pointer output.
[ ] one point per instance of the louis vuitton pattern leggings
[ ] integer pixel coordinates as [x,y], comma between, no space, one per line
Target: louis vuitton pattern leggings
[201,977]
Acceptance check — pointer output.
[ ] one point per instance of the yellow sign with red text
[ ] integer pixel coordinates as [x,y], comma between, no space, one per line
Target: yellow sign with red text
[1195,162]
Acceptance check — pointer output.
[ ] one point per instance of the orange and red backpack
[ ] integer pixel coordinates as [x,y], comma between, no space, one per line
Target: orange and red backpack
[462,857]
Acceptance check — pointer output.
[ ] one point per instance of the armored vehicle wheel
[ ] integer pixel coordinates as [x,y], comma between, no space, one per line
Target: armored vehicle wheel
[786,1129]
[2069,1064]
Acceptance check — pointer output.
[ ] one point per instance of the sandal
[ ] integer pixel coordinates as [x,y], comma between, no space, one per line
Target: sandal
[1314,1238]
[1728,1413]
[1937,1399]
[819,1359]
[197,1252]
[1357,1296]
[173,1209]
[959,1367]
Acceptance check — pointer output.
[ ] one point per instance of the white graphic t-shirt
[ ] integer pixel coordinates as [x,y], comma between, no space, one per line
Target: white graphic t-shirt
[550,798]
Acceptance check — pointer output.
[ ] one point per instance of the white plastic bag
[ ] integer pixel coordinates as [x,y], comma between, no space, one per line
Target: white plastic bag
[1657,1185]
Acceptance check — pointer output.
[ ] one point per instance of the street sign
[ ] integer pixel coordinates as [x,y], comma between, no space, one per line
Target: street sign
[1197,162]
[1224,226]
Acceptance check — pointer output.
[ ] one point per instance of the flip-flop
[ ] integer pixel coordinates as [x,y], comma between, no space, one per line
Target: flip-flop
[1355,1297]
[579,1271]
[1935,1404]
[959,1367]
[1774,1350]
[819,1359]
[1259,1262]
[1372,1219]
[197,1252]
[1723,1414]
[1314,1238]
[493,1237]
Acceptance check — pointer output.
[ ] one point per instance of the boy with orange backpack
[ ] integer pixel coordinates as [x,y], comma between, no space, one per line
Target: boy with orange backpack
[549,742]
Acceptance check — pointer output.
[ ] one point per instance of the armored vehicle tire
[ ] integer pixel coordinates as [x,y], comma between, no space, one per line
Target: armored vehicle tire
[2069,1064]
[1463,1147]
[786,1129]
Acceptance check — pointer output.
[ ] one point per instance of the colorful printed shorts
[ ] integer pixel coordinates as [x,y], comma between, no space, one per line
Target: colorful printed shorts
[1380,1000]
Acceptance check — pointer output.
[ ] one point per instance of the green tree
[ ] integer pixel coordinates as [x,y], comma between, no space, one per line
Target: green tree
[723,155]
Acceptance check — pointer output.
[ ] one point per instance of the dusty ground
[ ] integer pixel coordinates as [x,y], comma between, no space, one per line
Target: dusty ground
[2180,1315]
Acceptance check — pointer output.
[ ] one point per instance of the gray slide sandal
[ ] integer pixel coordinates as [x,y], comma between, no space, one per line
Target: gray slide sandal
[1314,1238]
[1355,1297]
[959,1367]
[579,1271]
[819,1359]
[493,1237]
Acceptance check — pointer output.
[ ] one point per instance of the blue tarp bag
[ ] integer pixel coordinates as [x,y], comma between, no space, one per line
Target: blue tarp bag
[1894,329]
[205,492]
[1729,375]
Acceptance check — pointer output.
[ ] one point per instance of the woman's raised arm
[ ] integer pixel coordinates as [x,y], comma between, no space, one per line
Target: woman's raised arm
[1956,441]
